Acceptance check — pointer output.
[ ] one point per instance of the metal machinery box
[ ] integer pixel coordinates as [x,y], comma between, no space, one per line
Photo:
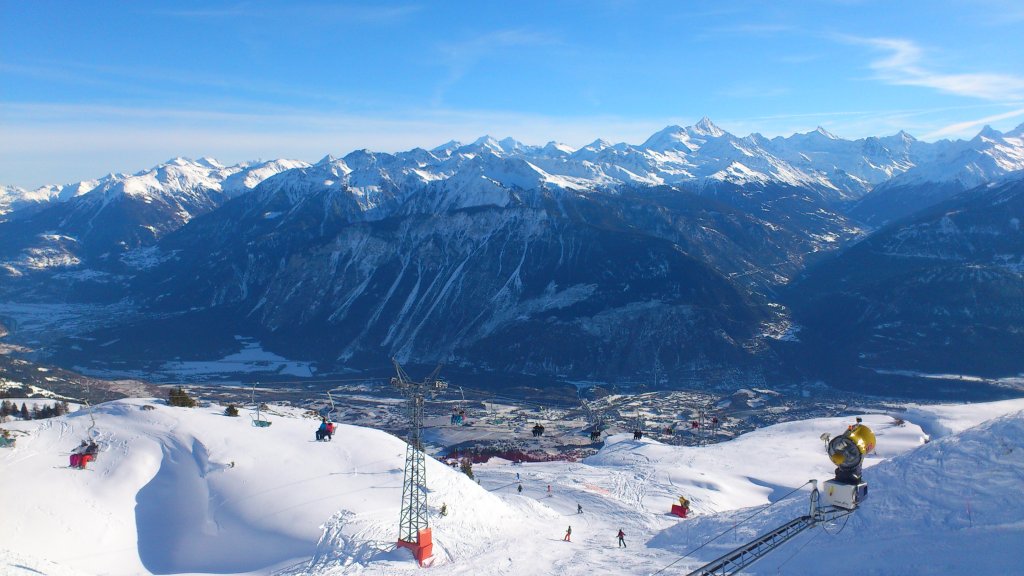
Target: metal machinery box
[843,495]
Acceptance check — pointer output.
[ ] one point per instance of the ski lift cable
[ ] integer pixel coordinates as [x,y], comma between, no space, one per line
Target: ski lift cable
[733,527]
[802,546]
[509,399]
[307,381]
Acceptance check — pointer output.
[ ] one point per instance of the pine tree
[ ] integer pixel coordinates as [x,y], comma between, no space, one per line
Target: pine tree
[466,464]
[6,408]
[178,397]
[231,410]
[24,412]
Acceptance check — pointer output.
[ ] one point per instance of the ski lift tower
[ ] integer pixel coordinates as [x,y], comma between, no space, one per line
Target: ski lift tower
[413,526]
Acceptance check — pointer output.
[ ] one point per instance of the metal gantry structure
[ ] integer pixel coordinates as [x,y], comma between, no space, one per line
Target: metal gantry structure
[738,559]
[414,525]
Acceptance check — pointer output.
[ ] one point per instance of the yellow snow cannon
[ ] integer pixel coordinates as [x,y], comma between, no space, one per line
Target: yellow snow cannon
[847,452]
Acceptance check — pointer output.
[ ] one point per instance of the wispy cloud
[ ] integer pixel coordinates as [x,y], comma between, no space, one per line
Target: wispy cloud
[963,128]
[902,64]
[462,56]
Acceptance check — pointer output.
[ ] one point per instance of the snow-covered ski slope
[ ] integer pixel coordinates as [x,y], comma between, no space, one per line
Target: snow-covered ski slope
[191,491]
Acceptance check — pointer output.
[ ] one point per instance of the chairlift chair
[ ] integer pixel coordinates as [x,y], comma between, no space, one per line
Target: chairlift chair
[89,449]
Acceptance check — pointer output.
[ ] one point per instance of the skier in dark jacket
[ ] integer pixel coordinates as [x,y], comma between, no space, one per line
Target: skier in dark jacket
[622,538]
[321,432]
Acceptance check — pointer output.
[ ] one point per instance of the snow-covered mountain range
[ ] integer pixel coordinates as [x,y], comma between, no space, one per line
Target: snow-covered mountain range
[590,262]
[699,153]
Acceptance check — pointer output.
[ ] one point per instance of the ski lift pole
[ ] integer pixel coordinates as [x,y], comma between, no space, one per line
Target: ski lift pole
[258,421]
[92,417]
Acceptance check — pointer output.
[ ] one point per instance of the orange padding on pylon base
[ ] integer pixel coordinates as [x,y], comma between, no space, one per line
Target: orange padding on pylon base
[426,548]
[423,548]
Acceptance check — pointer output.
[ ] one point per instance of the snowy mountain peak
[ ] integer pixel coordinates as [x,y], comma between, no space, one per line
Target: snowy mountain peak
[446,149]
[557,148]
[670,138]
[511,144]
[990,133]
[498,147]
[328,159]
[176,161]
[822,132]
[210,163]
[705,127]
[485,140]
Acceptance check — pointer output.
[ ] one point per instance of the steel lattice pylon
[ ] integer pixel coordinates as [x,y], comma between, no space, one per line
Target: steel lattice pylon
[414,485]
[414,517]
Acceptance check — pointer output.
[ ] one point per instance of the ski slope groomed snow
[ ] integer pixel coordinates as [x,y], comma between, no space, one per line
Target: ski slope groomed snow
[192,491]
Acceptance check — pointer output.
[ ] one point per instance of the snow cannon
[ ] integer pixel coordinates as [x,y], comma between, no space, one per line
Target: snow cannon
[847,451]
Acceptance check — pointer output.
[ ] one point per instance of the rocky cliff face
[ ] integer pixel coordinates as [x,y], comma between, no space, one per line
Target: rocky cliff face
[939,292]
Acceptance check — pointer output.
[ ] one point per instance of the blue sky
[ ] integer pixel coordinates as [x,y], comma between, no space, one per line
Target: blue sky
[87,88]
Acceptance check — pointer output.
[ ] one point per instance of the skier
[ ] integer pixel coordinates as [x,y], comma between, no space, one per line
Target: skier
[329,434]
[517,476]
[579,508]
[568,533]
[321,432]
[549,489]
[520,489]
[444,509]
[85,453]
[622,538]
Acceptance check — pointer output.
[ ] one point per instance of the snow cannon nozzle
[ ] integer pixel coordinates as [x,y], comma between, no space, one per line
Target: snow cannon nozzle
[847,452]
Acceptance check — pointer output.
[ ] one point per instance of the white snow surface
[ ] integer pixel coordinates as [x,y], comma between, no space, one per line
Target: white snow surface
[190,491]
[177,177]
